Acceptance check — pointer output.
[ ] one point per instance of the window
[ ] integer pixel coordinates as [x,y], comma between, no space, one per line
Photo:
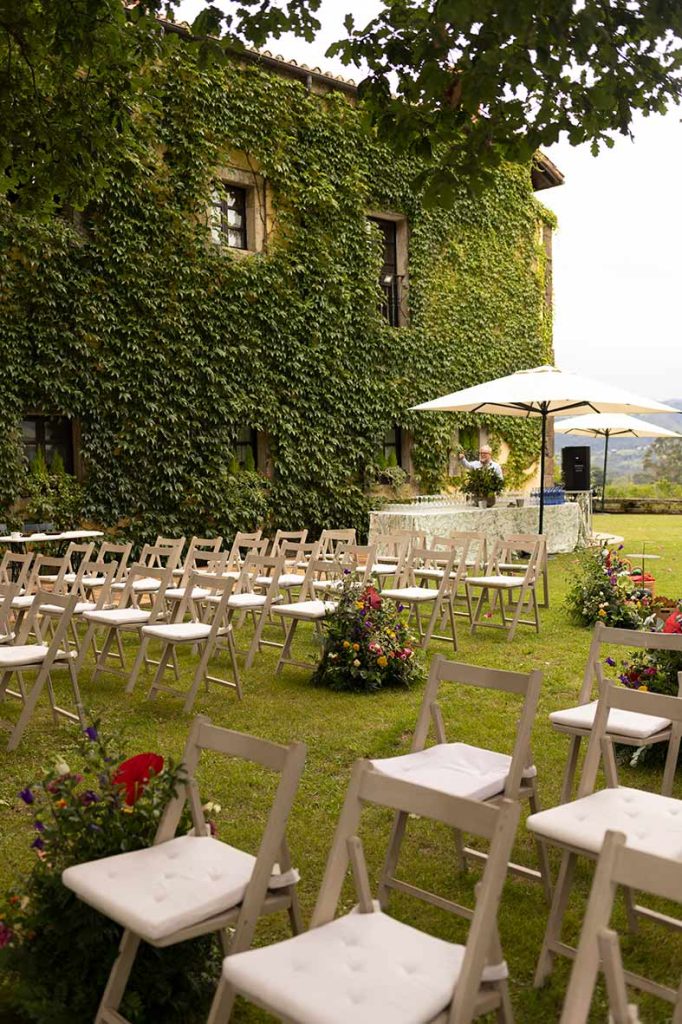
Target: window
[228,216]
[49,435]
[246,448]
[389,279]
[469,441]
[392,447]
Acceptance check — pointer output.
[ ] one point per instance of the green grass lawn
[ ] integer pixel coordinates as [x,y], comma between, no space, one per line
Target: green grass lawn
[338,728]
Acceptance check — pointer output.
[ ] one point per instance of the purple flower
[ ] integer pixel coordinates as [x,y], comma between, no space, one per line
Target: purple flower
[89,797]
[93,827]
[27,796]
[6,935]
[401,607]
[91,733]
[346,572]
[38,826]
[620,547]
[37,844]
[610,661]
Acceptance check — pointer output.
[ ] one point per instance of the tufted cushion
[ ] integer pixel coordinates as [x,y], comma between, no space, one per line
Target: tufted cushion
[25,654]
[359,969]
[177,593]
[409,594]
[625,723]
[79,609]
[509,582]
[179,631]
[159,890]
[145,584]
[118,616]
[651,822]
[305,609]
[454,768]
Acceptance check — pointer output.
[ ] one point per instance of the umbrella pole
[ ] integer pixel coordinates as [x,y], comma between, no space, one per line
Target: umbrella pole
[542,470]
[606,456]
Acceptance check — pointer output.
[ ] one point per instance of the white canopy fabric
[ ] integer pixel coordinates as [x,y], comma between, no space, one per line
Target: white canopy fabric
[543,391]
[612,425]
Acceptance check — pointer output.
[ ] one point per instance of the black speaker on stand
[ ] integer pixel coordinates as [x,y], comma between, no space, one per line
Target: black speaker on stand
[575,468]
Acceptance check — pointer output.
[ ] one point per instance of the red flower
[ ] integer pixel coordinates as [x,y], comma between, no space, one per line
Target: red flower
[673,624]
[136,772]
[372,598]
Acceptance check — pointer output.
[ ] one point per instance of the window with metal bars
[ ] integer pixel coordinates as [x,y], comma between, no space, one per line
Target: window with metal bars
[228,216]
[389,280]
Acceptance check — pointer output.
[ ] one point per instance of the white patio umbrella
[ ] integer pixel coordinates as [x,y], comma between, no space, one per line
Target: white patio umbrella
[608,425]
[544,391]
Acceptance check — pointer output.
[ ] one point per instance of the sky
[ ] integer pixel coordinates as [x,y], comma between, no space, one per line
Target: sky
[617,248]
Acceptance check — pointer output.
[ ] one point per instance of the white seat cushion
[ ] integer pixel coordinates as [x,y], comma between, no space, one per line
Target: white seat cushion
[411,594]
[179,631]
[305,609]
[118,616]
[93,581]
[290,579]
[651,822]
[384,569]
[79,608]
[177,593]
[23,602]
[246,600]
[327,585]
[146,584]
[359,969]
[26,654]
[457,769]
[159,890]
[502,582]
[625,723]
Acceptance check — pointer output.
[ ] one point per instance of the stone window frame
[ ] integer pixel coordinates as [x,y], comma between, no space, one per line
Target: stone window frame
[254,187]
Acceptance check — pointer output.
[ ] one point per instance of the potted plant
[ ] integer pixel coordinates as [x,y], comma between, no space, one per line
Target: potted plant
[483,484]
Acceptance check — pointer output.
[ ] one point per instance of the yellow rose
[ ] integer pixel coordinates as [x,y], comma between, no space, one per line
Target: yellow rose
[356,647]
[346,643]
[602,613]
[645,688]
[382,661]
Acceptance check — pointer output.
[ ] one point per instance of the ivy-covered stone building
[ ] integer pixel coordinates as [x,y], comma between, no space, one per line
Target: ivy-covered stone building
[258,286]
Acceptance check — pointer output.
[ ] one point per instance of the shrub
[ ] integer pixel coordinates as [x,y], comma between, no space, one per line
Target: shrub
[54,497]
[367,643]
[483,482]
[55,951]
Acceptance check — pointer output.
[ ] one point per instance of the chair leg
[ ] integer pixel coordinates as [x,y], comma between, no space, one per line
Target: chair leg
[570,770]
[141,656]
[255,646]
[28,708]
[562,891]
[287,646]
[233,658]
[118,979]
[541,846]
[671,763]
[165,657]
[100,664]
[199,675]
[77,694]
[223,1001]
[392,855]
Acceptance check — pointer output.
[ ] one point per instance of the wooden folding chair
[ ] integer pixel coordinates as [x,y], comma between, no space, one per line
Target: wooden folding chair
[469,549]
[619,865]
[189,885]
[253,596]
[410,593]
[366,966]
[462,770]
[108,552]
[287,538]
[391,552]
[211,565]
[44,568]
[308,608]
[297,555]
[650,821]
[199,551]
[165,556]
[73,556]
[8,591]
[15,568]
[519,590]
[332,542]
[41,657]
[242,544]
[192,631]
[624,727]
[126,617]
[357,559]
[105,574]
[520,544]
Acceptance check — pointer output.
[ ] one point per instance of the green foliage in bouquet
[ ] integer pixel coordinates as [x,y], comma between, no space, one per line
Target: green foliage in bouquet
[483,482]
[367,645]
[602,591]
[55,951]
[655,670]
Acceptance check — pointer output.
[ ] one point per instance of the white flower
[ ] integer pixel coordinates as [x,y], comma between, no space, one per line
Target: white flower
[61,767]
[212,808]
[356,663]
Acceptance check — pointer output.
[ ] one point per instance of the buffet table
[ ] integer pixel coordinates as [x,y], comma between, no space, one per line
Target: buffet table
[563,523]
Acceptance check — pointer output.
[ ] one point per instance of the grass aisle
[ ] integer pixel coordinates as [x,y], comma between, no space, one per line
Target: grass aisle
[339,728]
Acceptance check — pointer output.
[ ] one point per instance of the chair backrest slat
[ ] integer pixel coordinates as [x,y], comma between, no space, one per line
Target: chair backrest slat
[120,553]
[15,568]
[332,542]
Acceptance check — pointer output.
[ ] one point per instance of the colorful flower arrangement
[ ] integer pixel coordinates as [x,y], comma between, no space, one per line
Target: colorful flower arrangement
[655,670]
[368,644]
[55,951]
[603,591]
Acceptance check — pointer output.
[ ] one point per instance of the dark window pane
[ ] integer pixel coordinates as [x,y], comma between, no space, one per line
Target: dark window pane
[228,221]
[392,446]
[28,430]
[389,281]
[49,435]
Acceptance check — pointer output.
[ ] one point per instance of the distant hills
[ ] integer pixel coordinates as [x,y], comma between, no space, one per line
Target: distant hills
[626,454]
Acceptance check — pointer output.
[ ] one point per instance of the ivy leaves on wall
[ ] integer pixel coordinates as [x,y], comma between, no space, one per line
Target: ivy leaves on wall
[164,345]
